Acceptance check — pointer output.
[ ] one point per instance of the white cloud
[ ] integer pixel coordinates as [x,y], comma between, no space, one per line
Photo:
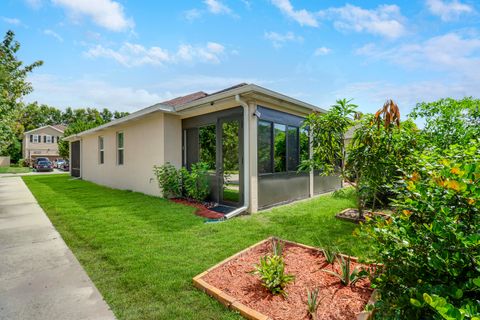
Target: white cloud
[448,11]
[88,92]
[34,4]
[131,55]
[385,20]
[322,51]
[108,14]
[192,14]
[217,7]
[370,96]
[456,56]
[52,33]
[450,52]
[303,17]
[13,21]
[278,40]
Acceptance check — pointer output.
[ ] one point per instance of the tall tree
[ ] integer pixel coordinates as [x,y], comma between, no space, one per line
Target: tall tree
[13,87]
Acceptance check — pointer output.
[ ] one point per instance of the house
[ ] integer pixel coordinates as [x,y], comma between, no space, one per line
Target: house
[251,137]
[42,142]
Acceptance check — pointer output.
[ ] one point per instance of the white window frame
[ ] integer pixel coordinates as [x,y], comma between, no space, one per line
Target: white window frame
[48,139]
[36,138]
[120,148]
[101,150]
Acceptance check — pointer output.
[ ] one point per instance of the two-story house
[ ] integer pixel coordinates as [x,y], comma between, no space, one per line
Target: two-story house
[42,142]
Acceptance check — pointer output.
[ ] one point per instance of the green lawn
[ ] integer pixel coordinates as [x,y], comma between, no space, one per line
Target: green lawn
[14,169]
[143,251]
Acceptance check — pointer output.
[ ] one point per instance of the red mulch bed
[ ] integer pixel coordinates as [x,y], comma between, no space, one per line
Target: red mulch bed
[339,302]
[201,211]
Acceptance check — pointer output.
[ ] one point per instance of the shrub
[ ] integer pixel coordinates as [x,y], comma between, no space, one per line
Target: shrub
[191,184]
[169,180]
[195,181]
[431,248]
[271,270]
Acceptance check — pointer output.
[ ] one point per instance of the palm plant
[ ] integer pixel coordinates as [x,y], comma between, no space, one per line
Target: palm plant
[347,276]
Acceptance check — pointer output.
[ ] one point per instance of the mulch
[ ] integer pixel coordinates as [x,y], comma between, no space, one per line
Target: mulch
[337,301]
[202,210]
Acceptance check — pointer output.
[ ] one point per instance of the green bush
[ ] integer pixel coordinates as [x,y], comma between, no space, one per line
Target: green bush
[271,270]
[169,180]
[431,247]
[195,181]
[191,184]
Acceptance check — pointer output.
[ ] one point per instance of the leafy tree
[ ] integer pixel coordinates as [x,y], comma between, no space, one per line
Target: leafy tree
[74,128]
[381,147]
[448,121]
[328,132]
[13,87]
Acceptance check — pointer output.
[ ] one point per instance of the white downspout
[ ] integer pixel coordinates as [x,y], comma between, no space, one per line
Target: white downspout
[246,160]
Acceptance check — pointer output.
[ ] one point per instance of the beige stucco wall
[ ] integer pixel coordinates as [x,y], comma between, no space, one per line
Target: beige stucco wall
[41,149]
[147,142]
[5,161]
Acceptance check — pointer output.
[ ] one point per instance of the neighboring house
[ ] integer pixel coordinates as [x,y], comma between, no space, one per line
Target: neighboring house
[250,136]
[42,142]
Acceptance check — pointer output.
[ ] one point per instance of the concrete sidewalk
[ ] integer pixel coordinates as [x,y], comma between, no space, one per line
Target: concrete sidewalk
[40,278]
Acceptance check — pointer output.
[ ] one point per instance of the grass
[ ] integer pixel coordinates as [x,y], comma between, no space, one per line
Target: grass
[142,251]
[14,169]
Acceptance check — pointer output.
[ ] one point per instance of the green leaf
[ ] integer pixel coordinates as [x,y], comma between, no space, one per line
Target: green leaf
[415,302]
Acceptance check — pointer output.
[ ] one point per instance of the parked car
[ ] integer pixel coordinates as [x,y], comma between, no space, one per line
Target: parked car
[37,160]
[44,166]
[65,166]
[59,164]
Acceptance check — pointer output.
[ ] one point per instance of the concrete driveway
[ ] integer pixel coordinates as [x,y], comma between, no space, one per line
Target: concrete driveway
[40,278]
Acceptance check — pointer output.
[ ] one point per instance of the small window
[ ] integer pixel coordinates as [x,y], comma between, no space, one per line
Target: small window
[36,138]
[48,139]
[120,148]
[264,147]
[280,147]
[292,150]
[101,152]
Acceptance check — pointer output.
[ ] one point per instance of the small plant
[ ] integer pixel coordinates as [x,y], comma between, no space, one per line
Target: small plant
[169,180]
[271,270]
[277,247]
[347,276]
[312,303]
[330,254]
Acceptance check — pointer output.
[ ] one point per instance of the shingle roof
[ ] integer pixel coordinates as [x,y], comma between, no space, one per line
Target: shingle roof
[60,127]
[185,99]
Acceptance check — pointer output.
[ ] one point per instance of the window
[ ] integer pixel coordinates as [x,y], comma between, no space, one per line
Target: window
[280,148]
[36,138]
[101,152]
[292,148]
[264,147]
[120,148]
[48,139]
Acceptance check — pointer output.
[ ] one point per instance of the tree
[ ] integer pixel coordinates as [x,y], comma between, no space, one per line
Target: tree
[448,121]
[327,134]
[13,87]
[74,128]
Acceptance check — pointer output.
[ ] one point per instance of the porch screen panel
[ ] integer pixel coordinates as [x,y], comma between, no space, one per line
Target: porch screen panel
[264,147]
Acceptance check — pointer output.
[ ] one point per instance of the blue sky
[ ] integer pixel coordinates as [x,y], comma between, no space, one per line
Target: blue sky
[128,54]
